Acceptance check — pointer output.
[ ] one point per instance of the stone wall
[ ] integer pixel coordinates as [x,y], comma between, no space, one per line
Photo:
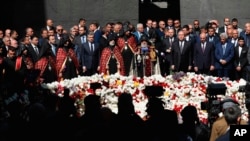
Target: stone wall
[68,12]
[205,10]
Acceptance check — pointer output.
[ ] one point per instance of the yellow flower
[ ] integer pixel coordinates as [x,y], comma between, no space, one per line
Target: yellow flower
[118,82]
[136,84]
[166,93]
[105,77]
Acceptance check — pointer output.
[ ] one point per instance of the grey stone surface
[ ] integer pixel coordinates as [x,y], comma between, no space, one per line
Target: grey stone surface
[68,12]
[205,10]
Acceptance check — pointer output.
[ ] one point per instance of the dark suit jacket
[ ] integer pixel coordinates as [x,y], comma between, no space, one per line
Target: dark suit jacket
[147,31]
[242,59]
[221,29]
[151,33]
[166,45]
[183,58]
[243,34]
[246,37]
[14,79]
[4,51]
[78,45]
[103,43]
[33,54]
[97,36]
[90,59]
[216,39]
[228,56]
[57,39]
[52,28]
[48,47]
[203,60]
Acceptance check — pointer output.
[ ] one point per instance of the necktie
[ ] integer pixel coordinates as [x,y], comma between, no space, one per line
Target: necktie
[181,45]
[53,49]
[235,43]
[224,49]
[171,41]
[203,47]
[92,47]
[36,50]
[82,40]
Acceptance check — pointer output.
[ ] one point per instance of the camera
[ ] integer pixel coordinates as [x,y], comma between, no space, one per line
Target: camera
[242,88]
[213,105]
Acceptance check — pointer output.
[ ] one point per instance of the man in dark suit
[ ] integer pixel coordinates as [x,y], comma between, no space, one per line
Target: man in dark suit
[166,52]
[58,34]
[14,75]
[52,45]
[34,49]
[246,34]
[212,37]
[223,29]
[240,59]
[177,26]
[43,39]
[203,56]
[181,54]
[234,39]
[93,27]
[78,42]
[49,25]
[6,44]
[90,55]
[148,27]
[224,54]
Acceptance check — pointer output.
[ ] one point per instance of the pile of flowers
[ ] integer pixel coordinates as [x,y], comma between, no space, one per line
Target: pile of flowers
[180,89]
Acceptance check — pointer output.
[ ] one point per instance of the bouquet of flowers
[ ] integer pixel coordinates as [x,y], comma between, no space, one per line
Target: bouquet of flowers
[180,89]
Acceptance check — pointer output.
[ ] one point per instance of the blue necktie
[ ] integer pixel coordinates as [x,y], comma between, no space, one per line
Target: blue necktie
[54,49]
[224,48]
[82,39]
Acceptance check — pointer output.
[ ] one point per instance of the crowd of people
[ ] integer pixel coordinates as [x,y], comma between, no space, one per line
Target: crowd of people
[144,49]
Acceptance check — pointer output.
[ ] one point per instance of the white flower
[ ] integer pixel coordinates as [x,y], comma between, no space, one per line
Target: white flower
[189,90]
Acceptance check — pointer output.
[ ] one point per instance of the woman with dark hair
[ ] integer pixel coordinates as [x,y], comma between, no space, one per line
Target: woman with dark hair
[67,64]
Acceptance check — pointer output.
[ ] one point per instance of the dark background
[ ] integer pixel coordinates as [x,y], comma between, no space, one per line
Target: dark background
[19,14]
[149,10]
